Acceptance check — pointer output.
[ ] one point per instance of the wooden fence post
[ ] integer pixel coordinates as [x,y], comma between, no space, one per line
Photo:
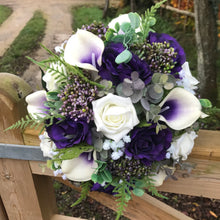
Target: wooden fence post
[17,189]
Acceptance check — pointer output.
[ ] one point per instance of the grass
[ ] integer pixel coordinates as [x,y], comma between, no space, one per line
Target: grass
[14,61]
[5,12]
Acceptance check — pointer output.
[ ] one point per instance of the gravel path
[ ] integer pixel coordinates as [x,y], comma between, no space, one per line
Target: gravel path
[57,13]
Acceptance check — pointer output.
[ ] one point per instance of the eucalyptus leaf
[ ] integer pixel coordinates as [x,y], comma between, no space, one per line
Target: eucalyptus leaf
[52,96]
[94,178]
[125,27]
[138,192]
[124,57]
[156,78]
[135,20]
[163,78]
[205,103]
[109,34]
[117,27]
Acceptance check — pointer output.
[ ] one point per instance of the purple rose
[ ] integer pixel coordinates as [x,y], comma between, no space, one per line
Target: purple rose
[68,133]
[148,146]
[116,73]
[180,58]
[98,187]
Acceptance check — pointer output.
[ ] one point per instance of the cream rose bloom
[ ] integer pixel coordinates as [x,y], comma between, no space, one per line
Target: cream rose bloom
[114,116]
[183,146]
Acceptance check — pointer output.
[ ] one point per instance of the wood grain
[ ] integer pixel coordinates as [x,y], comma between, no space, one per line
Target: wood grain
[3,214]
[18,191]
[141,208]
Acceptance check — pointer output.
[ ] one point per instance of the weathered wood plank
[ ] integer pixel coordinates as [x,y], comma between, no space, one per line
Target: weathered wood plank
[18,191]
[63,217]
[21,152]
[17,188]
[202,181]
[207,145]
[46,196]
[141,208]
[3,215]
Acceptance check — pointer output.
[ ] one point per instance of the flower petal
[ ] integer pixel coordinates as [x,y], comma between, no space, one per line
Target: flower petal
[80,168]
[84,49]
[181,109]
[36,102]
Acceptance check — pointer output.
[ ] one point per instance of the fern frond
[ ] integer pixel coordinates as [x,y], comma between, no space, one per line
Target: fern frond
[23,123]
[86,186]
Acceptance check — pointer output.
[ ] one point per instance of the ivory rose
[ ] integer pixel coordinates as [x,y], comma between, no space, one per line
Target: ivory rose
[114,116]
[183,146]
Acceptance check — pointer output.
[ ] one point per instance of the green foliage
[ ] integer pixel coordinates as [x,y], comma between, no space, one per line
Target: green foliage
[84,192]
[71,152]
[86,15]
[102,174]
[149,20]
[205,103]
[13,60]
[24,122]
[5,12]
[61,76]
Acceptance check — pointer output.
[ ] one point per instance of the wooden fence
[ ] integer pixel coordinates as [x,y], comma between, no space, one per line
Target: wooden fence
[26,191]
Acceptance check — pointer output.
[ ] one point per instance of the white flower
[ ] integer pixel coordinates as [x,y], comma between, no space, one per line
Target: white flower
[180,109]
[124,18]
[114,116]
[188,81]
[80,168]
[60,49]
[127,139]
[84,49]
[183,146]
[47,146]
[106,144]
[116,154]
[159,178]
[35,103]
[50,76]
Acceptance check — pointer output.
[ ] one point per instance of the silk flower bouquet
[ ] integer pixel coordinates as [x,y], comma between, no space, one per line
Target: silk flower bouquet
[118,108]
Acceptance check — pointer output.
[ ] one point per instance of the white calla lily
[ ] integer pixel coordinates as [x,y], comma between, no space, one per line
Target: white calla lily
[84,49]
[180,109]
[36,102]
[50,76]
[80,168]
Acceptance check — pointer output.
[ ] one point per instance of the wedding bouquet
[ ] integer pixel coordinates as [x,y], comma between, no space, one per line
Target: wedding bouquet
[118,108]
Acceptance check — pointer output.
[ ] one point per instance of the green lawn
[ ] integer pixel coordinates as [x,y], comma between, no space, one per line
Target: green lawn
[14,61]
[5,12]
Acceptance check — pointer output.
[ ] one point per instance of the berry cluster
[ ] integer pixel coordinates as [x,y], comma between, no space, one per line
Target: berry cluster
[77,97]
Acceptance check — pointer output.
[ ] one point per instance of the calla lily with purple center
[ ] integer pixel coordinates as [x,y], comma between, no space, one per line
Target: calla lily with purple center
[35,102]
[84,49]
[81,168]
[180,109]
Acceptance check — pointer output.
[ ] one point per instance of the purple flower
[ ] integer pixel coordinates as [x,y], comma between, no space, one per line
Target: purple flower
[68,133]
[98,187]
[180,58]
[148,146]
[116,73]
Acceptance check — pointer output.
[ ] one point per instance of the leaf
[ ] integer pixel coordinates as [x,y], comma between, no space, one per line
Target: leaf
[73,152]
[205,103]
[138,192]
[135,20]
[152,21]
[53,96]
[125,27]
[94,178]
[108,176]
[117,27]
[109,34]
[124,57]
